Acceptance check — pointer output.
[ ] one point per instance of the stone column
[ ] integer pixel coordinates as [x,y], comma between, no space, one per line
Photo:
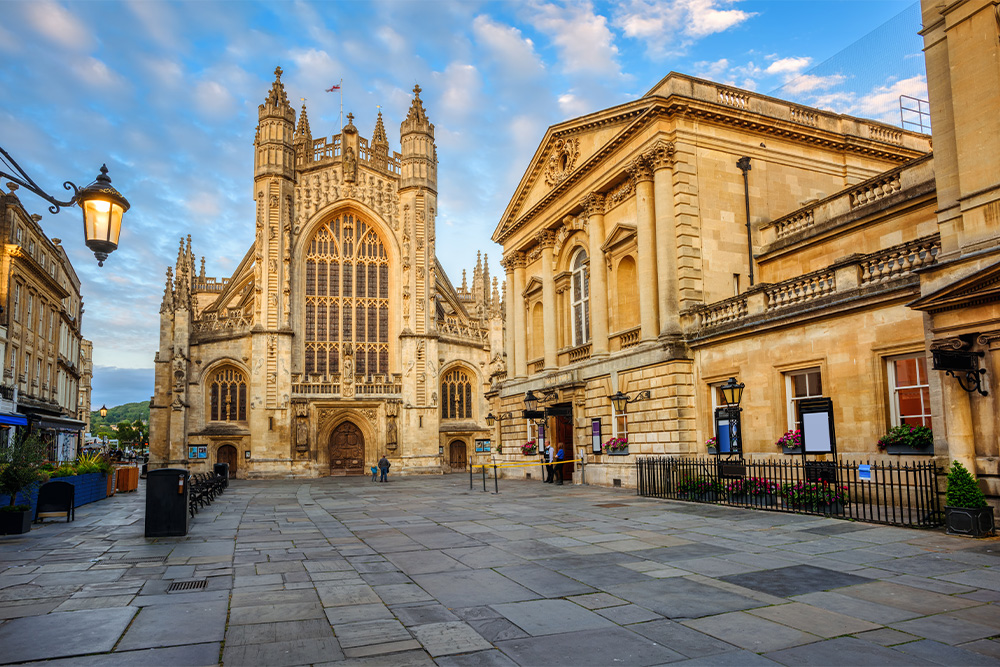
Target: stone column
[662,160]
[520,329]
[646,240]
[594,207]
[508,339]
[546,240]
[961,436]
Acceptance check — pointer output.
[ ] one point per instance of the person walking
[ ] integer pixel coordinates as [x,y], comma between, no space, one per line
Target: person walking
[383,467]
[549,455]
[559,465]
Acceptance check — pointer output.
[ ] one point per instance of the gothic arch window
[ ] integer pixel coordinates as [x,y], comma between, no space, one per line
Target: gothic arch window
[347,298]
[456,395]
[580,298]
[227,395]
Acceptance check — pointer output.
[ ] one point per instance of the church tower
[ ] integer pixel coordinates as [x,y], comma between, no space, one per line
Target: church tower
[271,347]
[419,343]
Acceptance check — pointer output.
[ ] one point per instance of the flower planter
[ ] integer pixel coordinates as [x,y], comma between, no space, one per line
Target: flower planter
[700,496]
[791,450]
[764,500]
[976,522]
[15,523]
[913,451]
[831,509]
[619,452]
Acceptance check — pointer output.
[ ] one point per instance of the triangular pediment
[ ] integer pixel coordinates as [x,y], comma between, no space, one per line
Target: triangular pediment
[978,288]
[567,152]
[535,283]
[620,234]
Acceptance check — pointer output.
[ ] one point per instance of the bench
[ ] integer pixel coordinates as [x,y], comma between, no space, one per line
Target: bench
[204,489]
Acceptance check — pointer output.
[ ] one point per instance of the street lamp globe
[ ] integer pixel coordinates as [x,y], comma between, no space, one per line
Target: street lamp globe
[530,402]
[732,393]
[490,419]
[620,401]
[104,411]
[103,208]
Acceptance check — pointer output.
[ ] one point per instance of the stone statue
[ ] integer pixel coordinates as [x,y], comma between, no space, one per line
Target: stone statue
[350,165]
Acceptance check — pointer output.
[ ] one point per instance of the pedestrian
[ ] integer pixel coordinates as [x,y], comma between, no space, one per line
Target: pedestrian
[383,466]
[549,455]
[374,474]
[559,465]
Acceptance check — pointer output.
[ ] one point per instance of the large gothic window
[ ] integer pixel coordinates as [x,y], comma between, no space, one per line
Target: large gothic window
[581,300]
[347,298]
[227,393]
[456,395]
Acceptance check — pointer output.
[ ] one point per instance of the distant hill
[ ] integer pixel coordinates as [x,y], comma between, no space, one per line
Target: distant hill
[128,412]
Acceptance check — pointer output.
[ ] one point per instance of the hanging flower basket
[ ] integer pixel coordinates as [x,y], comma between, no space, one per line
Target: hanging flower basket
[529,448]
[616,446]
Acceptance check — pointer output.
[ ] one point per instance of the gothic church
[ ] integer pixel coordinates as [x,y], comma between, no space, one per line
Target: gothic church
[338,338]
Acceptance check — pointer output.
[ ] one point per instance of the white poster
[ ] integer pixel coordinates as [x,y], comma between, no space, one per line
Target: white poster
[816,432]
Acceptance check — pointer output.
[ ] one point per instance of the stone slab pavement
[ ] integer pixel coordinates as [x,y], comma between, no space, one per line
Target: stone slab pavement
[423,571]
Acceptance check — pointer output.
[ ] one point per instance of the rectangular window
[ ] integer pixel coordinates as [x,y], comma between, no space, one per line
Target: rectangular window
[27,368]
[17,302]
[800,385]
[909,391]
[619,423]
[31,305]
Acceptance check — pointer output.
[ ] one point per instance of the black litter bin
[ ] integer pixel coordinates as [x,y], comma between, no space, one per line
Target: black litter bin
[168,491]
[222,470]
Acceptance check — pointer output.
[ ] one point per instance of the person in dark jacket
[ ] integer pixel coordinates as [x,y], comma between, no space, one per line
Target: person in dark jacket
[383,467]
[558,466]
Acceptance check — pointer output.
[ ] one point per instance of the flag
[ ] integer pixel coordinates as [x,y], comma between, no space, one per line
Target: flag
[333,88]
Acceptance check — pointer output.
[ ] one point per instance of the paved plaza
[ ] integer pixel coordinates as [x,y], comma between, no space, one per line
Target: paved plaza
[423,571]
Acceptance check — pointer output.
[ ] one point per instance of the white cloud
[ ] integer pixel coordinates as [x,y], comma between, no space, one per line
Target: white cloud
[158,21]
[507,45]
[58,25]
[213,99]
[705,19]
[788,65]
[96,73]
[462,90]
[672,26]
[571,105]
[810,83]
[393,41]
[584,41]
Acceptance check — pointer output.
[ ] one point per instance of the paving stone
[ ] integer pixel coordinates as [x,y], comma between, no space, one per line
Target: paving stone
[987,647]
[497,629]
[886,637]
[17,609]
[266,633]
[546,617]
[366,633]
[987,614]
[794,580]
[683,598]
[604,646]
[102,602]
[273,613]
[243,599]
[544,581]
[858,608]
[334,595]
[433,613]
[814,620]
[684,640]
[736,658]
[750,632]
[382,650]
[906,597]
[357,612]
[470,588]
[480,659]
[394,594]
[476,613]
[173,625]
[449,638]
[400,658]
[627,614]
[943,654]
[946,629]
[78,633]
[845,651]
[282,653]
[191,654]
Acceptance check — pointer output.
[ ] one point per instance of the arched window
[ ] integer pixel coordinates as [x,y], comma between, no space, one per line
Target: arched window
[347,298]
[580,297]
[627,316]
[456,395]
[227,393]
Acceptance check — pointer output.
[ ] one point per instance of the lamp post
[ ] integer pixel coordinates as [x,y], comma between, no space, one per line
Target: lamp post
[621,400]
[491,419]
[744,165]
[732,394]
[103,206]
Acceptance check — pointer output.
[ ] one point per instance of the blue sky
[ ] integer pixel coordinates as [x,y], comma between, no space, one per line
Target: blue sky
[167,93]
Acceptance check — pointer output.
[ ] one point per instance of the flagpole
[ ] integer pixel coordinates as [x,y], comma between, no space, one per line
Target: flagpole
[341,87]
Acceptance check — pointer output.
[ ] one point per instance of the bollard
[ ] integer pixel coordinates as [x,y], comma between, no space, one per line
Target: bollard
[484,478]
[496,484]
[470,473]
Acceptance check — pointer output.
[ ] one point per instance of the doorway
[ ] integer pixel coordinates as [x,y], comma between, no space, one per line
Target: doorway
[227,454]
[456,455]
[561,422]
[347,450]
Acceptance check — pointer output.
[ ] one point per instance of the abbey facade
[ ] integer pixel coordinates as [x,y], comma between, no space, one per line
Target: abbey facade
[339,338]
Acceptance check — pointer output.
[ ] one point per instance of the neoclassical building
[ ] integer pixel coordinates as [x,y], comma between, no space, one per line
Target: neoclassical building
[338,338]
[703,232]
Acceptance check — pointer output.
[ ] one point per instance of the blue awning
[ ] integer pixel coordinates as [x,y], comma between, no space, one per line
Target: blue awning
[13,420]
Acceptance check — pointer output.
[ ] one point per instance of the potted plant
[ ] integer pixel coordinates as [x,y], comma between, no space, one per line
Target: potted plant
[907,439]
[790,442]
[616,446]
[966,511]
[712,444]
[755,491]
[529,448]
[700,489]
[816,496]
[20,466]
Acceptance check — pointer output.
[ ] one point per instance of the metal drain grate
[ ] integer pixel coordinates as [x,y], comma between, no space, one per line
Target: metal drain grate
[188,585]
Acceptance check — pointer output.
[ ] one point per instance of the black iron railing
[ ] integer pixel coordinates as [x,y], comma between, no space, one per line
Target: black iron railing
[898,494]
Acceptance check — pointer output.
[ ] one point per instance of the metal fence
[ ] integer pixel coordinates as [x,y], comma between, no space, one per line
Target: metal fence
[898,494]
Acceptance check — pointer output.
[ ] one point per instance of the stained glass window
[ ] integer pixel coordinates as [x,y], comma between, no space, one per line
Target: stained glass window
[349,305]
[456,395]
[228,396]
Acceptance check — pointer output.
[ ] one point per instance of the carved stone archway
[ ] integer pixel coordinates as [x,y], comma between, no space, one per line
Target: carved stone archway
[347,449]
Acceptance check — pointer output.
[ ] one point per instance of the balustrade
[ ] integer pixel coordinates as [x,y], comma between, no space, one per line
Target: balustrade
[895,262]
[723,312]
[734,98]
[795,223]
[629,338]
[802,289]
[580,353]
[875,189]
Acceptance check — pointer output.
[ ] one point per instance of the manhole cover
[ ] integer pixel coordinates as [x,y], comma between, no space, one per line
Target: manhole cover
[189,585]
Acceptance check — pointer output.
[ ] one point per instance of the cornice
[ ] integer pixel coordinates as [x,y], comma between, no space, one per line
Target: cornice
[22,260]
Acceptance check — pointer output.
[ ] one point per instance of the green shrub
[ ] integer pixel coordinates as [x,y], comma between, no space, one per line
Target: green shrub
[65,470]
[963,490]
[20,463]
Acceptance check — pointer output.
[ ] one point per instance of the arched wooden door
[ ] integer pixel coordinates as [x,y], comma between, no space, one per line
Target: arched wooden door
[456,455]
[227,454]
[347,449]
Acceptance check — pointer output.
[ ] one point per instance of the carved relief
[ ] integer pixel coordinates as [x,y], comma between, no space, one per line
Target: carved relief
[561,160]
[347,372]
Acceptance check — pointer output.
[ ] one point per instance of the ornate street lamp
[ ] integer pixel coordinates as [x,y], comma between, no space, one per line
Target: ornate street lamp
[621,400]
[491,419]
[530,402]
[103,206]
[732,393]
[104,411]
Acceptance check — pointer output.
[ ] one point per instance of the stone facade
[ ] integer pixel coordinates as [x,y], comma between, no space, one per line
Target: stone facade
[339,338]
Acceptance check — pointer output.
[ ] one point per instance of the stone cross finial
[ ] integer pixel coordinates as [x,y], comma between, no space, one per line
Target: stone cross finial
[416,90]
[350,117]
[277,72]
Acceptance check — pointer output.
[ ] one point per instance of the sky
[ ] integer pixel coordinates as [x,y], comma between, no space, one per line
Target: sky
[166,93]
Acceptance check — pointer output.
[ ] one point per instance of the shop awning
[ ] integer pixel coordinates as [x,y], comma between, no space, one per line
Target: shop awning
[57,423]
[13,420]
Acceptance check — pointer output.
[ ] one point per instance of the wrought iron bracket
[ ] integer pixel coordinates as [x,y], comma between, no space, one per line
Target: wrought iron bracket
[22,179]
[974,378]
